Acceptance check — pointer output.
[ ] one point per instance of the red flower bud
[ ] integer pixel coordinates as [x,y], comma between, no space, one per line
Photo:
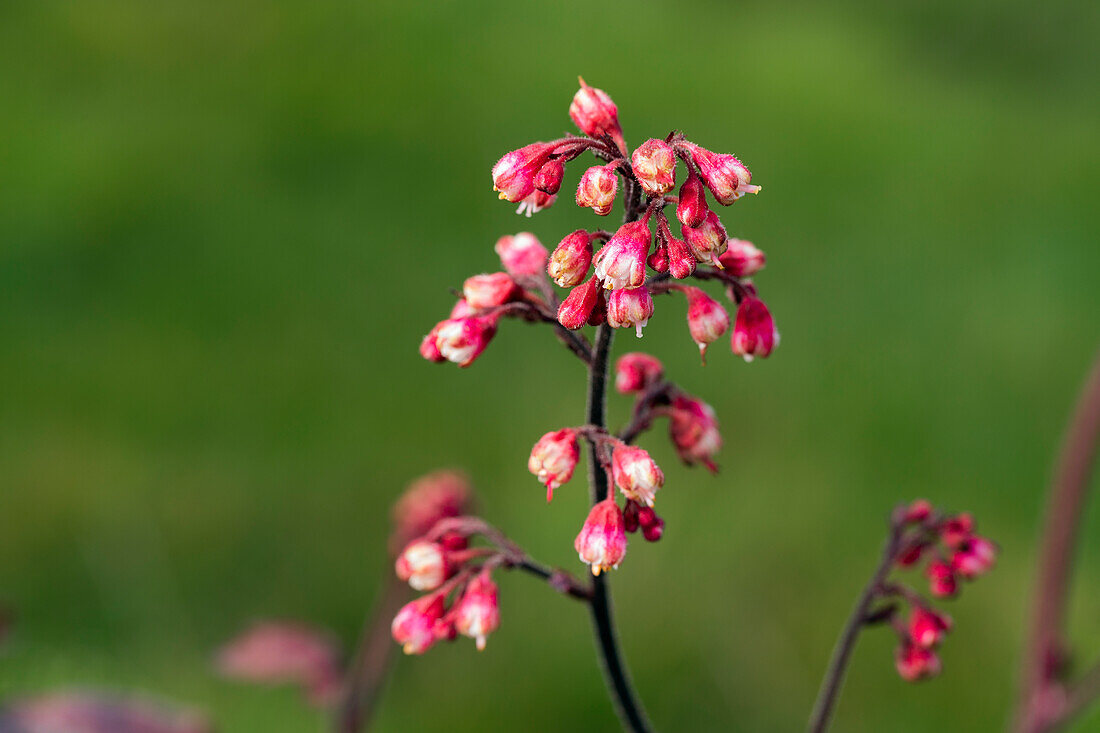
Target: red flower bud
[577,306]
[630,516]
[637,372]
[708,240]
[630,307]
[707,319]
[681,260]
[414,625]
[927,628]
[654,531]
[726,176]
[602,540]
[569,264]
[522,255]
[621,262]
[974,557]
[691,208]
[654,164]
[554,458]
[597,189]
[477,613]
[754,332]
[599,311]
[488,291]
[514,174]
[658,260]
[635,473]
[462,340]
[918,511]
[693,427]
[593,112]
[423,565]
[941,579]
[957,530]
[916,663]
[742,258]
[548,180]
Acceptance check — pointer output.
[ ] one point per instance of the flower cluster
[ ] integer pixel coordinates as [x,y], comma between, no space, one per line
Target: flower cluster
[613,276]
[951,550]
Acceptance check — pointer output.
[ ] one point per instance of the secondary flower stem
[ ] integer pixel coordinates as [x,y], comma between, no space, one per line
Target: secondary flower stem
[834,677]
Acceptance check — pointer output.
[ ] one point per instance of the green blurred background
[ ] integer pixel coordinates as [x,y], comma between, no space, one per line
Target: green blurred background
[225,226]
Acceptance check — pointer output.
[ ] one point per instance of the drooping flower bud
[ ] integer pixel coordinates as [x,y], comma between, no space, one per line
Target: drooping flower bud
[621,262]
[916,663]
[602,540]
[691,208]
[681,260]
[707,319]
[522,254]
[597,189]
[754,332]
[414,625]
[927,628]
[630,516]
[571,259]
[423,565]
[655,530]
[477,613]
[535,202]
[693,427]
[637,372]
[554,458]
[593,112]
[462,340]
[428,346]
[658,259]
[708,240]
[488,291]
[742,258]
[630,307]
[548,179]
[654,164]
[726,176]
[514,174]
[941,579]
[974,557]
[635,473]
[575,310]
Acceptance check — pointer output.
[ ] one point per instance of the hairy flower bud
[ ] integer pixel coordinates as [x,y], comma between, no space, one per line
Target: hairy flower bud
[571,259]
[621,262]
[602,540]
[630,307]
[548,179]
[462,340]
[477,613]
[554,458]
[927,628]
[654,164]
[575,310]
[754,332]
[522,254]
[941,579]
[708,240]
[707,319]
[726,176]
[691,208]
[635,473]
[423,565]
[597,189]
[637,372]
[742,258]
[693,427]
[535,202]
[593,112]
[414,625]
[681,260]
[916,663]
[488,291]
[514,174]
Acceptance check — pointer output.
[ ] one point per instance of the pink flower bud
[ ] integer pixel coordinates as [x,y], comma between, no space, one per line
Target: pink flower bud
[974,557]
[423,565]
[726,176]
[754,331]
[910,554]
[521,255]
[569,264]
[414,625]
[927,628]
[626,308]
[488,291]
[693,427]
[708,240]
[637,372]
[916,663]
[681,260]
[707,319]
[554,458]
[548,179]
[918,511]
[462,340]
[654,530]
[941,579]
[575,310]
[428,347]
[430,498]
[593,112]
[635,473]
[621,262]
[742,258]
[535,202]
[654,164]
[691,209]
[477,613]
[602,540]
[514,174]
[462,309]
[597,189]
[957,530]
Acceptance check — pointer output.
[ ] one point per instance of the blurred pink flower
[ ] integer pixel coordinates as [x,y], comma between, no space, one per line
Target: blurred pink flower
[279,652]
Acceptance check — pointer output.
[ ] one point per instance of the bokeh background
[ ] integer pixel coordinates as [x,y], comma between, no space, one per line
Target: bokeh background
[225,226]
